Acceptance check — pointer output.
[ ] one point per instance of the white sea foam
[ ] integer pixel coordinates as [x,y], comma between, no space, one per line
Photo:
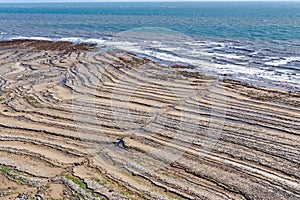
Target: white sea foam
[240,47]
[283,61]
[72,39]
[68,39]
[31,38]
[217,43]
[254,53]
[194,56]
[232,56]
[96,41]
[83,40]
[249,73]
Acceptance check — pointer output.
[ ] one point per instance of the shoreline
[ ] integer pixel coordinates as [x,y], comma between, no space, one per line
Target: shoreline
[96,45]
[65,46]
[187,135]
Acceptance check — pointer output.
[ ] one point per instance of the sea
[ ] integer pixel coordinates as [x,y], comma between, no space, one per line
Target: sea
[256,42]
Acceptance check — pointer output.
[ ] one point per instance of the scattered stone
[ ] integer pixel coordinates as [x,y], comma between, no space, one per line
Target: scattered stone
[22,196]
[6,192]
[39,197]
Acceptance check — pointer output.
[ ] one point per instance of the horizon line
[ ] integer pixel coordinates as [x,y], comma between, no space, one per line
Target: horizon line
[134,1]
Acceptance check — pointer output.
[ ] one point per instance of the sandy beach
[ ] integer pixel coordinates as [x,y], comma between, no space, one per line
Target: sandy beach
[77,124]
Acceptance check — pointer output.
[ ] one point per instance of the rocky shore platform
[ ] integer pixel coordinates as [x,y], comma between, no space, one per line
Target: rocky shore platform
[79,124]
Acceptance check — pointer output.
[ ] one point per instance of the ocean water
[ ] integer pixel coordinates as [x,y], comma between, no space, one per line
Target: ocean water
[257,42]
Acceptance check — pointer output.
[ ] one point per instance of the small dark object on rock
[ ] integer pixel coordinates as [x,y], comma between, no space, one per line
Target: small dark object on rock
[64,81]
[20,118]
[120,143]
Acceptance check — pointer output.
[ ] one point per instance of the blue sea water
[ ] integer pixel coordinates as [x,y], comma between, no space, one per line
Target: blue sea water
[246,40]
[250,20]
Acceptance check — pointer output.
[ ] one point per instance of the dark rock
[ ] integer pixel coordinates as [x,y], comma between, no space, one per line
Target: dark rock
[22,196]
[39,197]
